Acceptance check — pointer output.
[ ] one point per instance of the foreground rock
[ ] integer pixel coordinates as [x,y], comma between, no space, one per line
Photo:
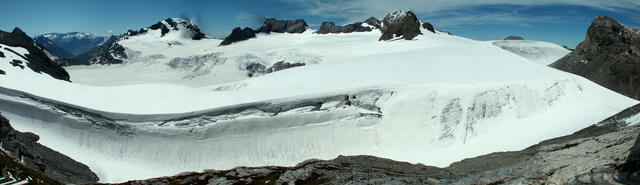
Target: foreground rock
[400,25]
[38,61]
[609,56]
[24,147]
[593,155]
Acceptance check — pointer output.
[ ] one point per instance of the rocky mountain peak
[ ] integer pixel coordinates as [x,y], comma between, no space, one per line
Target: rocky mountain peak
[606,32]
[283,26]
[609,56]
[400,24]
[185,28]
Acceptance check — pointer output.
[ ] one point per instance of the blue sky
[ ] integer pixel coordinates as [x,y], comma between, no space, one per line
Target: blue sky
[560,21]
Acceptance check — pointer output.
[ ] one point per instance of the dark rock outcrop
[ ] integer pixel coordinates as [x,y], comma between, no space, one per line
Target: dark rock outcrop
[330,27]
[283,26]
[24,147]
[109,52]
[428,26]
[609,56]
[513,37]
[38,60]
[257,68]
[401,25]
[238,35]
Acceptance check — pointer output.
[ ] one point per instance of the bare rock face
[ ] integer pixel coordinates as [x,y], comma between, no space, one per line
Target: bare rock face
[238,35]
[283,26]
[39,159]
[609,56]
[400,25]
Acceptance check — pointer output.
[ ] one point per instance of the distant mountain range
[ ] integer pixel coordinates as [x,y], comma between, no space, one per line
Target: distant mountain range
[75,43]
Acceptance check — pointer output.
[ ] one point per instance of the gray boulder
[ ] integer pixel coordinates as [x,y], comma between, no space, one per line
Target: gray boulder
[609,56]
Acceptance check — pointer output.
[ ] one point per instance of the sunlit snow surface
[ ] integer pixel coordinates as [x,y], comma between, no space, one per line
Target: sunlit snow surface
[434,100]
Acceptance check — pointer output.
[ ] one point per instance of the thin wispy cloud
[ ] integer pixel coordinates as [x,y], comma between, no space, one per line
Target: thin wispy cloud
[358,10]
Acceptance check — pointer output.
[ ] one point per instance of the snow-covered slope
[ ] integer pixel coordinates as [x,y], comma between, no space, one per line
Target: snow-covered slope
[432,100]
[543,53]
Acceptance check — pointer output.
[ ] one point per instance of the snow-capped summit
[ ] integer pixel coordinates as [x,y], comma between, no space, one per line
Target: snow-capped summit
[171,31]
[171,27]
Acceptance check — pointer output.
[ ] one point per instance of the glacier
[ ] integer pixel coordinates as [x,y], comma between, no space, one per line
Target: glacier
[433,100]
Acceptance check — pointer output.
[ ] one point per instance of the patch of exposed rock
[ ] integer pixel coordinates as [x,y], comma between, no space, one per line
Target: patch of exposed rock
[24,147]
[609,56]
[238,34]
[400,25]
[257,68]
